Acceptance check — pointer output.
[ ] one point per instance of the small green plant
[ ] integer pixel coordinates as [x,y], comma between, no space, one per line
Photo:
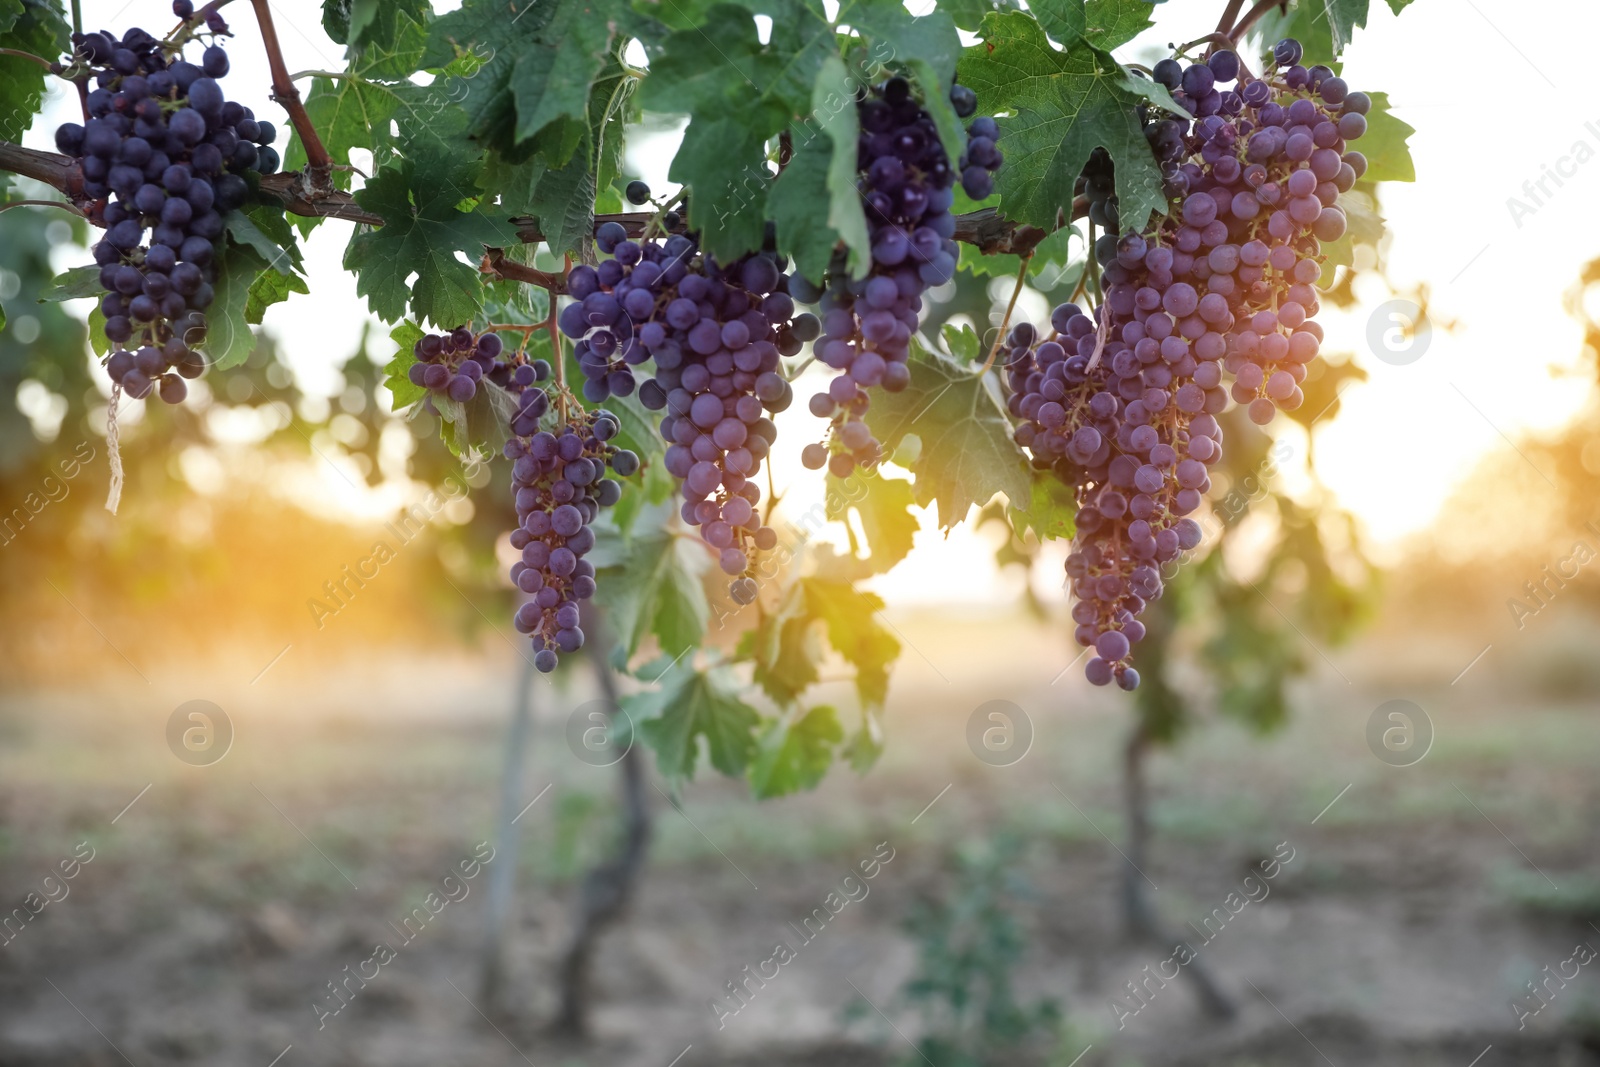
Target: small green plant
[969,944]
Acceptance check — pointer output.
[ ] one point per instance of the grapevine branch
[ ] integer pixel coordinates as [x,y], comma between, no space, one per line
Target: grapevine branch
[984,229]
[284,92]
[1251,17]
[1229,13]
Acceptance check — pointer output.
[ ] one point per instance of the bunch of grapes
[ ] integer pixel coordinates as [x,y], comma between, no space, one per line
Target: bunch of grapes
[560,485]
[452,364]
[909,186]
[716,335]
[167,154]
[1121,403]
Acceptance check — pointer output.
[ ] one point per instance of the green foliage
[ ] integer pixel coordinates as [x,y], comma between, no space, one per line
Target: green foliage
[968,454]
[786,646]
[795,755]
[420,201]
[1063,104]
[650,584]
[39,27]
[883,508]
[692,706]
[969,946]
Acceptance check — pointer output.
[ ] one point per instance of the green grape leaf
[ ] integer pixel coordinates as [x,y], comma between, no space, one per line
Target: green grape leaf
[696,704]
[1063,105]
[738,94]
[723,160]
[834,102]
[786,652]
[99,343]
[969,14]
[37,28]
[515,184]
[269,288]
[243,230]
[386,26]
[336,19]
[229,341]
[866,744]
[848,614]
[396,372]
[1344,17]
[650,583]
[1105,24]
[541,61]
[968,454]
[423,229]
[794,755]
[792,205]
[1051,512]
[552,81]
[785,649]
[883,508]
[74,283]
[1384,144]
[1398,6]
[1113,23]
[482,423]
[564,205]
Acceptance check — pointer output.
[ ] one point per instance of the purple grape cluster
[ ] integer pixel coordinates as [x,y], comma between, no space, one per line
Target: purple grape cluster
[165,153]
[983,157]
[560,485]
[452,364]
[1212,303]
[715,335]
[867,323]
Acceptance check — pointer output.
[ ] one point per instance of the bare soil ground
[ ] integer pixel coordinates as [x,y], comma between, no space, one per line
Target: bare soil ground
[218,907]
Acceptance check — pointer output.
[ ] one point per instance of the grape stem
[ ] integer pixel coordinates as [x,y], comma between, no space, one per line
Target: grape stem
[1229,13]
[62,204]
[496,263]
[1251,17]
[319,163]
[1005,323]
[30,57]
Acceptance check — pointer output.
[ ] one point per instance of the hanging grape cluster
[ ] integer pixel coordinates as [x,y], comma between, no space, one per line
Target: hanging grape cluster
[715,335]
[908,185]
[557,478]
[1211,303]
[168,155]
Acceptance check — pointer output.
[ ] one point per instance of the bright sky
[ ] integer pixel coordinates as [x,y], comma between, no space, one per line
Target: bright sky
[1403,439]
